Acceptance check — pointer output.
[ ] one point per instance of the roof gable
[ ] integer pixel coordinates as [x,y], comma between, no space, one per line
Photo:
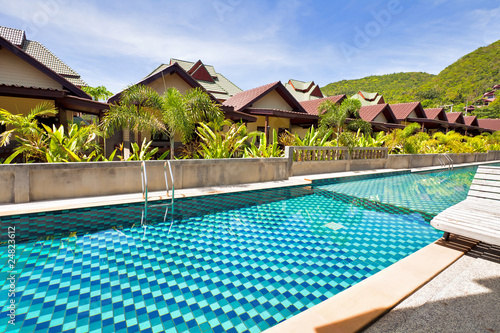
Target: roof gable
[436,114]
[199,72]
[403,110]
[175,68]
[311,106]
[245,99]
[455,117]
[471,120]
[73,89]
[367,98]
[317,92]
[370,112]
[42,54]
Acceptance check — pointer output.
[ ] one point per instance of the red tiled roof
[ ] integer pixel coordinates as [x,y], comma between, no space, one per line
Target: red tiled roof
[370,112]
[492,124]
[244,98]
[402,111]
[311,106]
[453,116]
[432,113]
[469,120]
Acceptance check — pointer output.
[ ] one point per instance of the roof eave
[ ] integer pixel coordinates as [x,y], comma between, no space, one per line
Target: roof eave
[44,69]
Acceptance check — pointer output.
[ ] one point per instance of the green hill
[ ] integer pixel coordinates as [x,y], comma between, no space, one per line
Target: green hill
[396,88]
[467,78]
[464,80]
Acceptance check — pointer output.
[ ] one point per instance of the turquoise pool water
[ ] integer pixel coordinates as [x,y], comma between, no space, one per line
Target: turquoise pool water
[231,263]
[429,193]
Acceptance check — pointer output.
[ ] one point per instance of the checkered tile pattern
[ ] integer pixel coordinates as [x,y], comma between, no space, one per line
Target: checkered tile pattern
[427,193]
[219,269]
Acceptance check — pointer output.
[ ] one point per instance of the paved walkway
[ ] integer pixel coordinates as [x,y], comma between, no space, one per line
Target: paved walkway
[463,298]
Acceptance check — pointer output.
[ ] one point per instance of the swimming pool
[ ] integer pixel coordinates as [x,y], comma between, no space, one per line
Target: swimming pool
[238,262]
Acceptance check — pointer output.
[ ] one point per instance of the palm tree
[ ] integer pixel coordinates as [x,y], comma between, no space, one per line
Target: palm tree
[332,114]
[143,109]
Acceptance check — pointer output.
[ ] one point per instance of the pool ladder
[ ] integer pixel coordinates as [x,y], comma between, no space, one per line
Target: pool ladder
[144,179]
[445,161]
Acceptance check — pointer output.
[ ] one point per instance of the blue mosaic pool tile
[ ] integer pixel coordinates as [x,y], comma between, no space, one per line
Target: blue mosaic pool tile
[231,263]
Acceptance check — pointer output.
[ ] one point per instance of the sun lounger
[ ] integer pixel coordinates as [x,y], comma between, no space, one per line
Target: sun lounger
[478,216]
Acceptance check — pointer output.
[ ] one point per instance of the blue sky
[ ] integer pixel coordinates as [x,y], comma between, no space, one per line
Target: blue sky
[117,43]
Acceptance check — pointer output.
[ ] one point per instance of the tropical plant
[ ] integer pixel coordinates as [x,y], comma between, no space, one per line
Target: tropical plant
[142,109]
[143,153]
[287,139]
[216,143]
[25,128]
[314,137]
[396,140]
[334,115]
[190,150]
[264,149]
[99,93]
[78,144]
[366,140]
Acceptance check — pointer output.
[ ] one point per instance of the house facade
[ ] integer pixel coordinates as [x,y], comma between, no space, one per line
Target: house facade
[274,108]
[160,80]
[26,82]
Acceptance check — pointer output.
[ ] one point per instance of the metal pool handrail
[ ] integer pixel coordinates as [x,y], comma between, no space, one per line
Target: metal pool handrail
[448,161]
[144,179]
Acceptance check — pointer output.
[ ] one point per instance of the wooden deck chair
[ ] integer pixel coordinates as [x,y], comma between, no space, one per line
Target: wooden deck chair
[478,216]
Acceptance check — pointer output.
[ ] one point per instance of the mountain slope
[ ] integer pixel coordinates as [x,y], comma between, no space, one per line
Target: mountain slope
[469,77]
[464,80]
[396,88]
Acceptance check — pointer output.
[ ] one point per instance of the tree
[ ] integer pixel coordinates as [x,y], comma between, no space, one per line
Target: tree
[334,115]
[99,93]
[142,109]
[184,112]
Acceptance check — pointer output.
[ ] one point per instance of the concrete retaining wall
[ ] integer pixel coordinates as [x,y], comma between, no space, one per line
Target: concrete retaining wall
[44,181]
[37,182]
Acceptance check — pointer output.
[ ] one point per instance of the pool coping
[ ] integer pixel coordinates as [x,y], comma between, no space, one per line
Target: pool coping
[360,305]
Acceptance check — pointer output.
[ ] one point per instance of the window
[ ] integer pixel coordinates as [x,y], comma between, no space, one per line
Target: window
[160,137]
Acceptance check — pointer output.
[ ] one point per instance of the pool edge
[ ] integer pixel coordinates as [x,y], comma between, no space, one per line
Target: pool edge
[360,305]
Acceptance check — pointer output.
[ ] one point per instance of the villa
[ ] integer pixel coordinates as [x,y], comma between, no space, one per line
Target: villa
[32,75]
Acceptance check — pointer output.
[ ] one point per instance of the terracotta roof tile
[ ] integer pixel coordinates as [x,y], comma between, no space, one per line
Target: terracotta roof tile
[432,113]
[492,124]
[370,112]
[470,120]
[242,99]
[311,106]
[402,111]
[453,117]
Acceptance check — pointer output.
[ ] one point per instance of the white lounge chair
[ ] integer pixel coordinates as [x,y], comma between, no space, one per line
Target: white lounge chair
[478,216]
